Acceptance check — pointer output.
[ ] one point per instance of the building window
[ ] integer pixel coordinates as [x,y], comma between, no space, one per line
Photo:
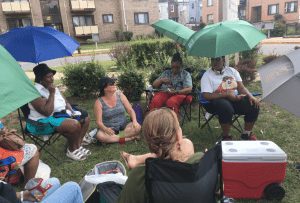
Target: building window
[209,2]
[108,18]
[83,21]
[291,7]
[18,22]
[172,8]
[273,9]
[210,18]
[193,5]
[141,18]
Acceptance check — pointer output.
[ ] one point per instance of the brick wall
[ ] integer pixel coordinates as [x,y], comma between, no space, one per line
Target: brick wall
[215,10]
[289,17]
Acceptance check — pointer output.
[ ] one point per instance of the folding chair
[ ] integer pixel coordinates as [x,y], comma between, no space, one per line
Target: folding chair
[185,108]
[42,141]
[208,116]
[170,181]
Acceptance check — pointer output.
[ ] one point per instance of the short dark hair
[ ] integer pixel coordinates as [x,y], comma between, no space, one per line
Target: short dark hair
[103,82]
[176,58]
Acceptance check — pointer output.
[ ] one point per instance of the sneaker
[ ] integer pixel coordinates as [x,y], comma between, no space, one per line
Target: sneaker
[90,137]
[245,136]
[76,155]
[85,151]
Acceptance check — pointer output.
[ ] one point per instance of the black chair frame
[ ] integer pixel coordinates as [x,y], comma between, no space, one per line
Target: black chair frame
[37,139]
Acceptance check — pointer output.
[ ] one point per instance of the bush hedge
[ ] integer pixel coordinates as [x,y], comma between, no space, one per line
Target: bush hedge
[82,79]
[132,83]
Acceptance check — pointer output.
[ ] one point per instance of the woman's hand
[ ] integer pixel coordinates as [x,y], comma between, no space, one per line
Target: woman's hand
[51,88]
[254,101]
[136,125]
[165,81]
[109,131]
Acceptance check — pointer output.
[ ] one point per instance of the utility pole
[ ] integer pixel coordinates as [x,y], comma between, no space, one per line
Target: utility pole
[230,12]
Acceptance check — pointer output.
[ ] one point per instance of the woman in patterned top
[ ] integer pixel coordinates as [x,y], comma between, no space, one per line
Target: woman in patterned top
[110,115]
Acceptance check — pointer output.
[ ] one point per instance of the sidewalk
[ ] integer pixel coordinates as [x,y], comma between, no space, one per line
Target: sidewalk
[281,40]
[91,51]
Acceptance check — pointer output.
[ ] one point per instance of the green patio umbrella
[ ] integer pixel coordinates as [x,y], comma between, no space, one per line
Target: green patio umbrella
[224,38]
[15,87]
[173,30]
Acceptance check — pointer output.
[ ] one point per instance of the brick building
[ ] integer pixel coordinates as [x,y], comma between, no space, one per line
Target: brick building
[264,10]
[211,11]
[253,10]
[82,18]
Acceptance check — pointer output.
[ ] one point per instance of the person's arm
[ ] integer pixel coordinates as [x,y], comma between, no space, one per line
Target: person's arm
[98,116]
[244,91]
[129,110]
[45,106]
[159,81]
[185,90]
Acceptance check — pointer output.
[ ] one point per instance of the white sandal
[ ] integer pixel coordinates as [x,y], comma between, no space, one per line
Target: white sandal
[85,151]
[76,155]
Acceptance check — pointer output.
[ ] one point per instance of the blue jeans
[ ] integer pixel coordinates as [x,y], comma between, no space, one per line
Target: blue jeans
[67,193]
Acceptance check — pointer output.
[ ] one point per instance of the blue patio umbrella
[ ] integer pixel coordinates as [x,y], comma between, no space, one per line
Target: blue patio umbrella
[37,44]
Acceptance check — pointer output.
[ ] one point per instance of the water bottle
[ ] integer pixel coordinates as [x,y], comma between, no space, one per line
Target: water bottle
[138,112]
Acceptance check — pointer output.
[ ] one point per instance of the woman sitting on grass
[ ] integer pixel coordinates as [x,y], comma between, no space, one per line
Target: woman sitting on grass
[164,137]
[110,110]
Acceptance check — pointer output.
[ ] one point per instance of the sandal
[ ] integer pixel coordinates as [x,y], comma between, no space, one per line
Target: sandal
[76,155]
[85,151]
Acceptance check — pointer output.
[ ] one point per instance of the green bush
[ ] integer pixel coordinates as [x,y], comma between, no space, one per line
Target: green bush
[121,54]
[119,35]
[247,65]
[82,79]
[279,26]
[132,83]
[127,35]
[149,52]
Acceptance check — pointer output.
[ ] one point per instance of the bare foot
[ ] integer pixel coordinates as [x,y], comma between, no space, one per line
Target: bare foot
[129,159]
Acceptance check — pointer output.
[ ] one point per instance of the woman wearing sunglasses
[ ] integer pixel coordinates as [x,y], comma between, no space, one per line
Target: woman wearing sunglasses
[110,112]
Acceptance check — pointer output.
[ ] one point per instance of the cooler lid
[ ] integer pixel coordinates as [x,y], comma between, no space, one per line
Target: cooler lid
[252,151]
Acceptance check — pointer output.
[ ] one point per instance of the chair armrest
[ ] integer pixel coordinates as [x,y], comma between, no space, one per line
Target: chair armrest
[36,123]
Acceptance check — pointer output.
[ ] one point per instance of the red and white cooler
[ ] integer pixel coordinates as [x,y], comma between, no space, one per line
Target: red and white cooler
[253,169]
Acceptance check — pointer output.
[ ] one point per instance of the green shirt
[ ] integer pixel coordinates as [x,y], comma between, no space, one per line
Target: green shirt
[134,190]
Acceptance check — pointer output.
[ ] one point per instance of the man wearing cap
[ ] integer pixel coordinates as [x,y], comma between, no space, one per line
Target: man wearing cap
[42,110]
[222,86]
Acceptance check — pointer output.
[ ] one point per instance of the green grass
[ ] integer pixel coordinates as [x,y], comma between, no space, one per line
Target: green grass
[274,124]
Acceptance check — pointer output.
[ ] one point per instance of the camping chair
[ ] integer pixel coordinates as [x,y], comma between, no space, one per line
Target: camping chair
[42,141]
[170,181]
[208,116]
[185,108]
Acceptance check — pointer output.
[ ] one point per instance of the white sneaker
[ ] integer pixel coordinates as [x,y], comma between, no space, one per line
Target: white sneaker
[90,137]
[76,155]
